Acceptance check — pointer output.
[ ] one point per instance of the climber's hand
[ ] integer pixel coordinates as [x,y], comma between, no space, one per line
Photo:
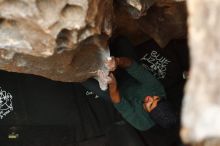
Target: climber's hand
[111,63]
[150,102]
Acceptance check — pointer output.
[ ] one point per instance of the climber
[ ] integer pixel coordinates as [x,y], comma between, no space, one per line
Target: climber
[140,97]
[148,112]
[135,92]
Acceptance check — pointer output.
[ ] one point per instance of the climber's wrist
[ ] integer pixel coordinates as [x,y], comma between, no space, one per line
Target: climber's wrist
[115,96]
[123,62]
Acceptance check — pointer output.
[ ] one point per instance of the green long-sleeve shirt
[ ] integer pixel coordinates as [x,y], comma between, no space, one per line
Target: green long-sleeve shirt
[133,93]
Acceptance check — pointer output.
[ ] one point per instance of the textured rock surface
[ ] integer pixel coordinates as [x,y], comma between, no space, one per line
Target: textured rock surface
[201,106]
[137,8]
[125,25]
[76,65]
[35,34]
[46,37]
[166,20]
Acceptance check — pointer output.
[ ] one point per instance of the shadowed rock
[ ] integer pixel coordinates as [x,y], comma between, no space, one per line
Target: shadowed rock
[166,20]
[162,21]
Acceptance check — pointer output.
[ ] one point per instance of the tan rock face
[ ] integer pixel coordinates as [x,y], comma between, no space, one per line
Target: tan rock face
[44,37]
[201,104]
[66,40]
[69,66]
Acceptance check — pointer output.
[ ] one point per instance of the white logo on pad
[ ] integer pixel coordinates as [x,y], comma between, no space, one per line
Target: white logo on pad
[5,103]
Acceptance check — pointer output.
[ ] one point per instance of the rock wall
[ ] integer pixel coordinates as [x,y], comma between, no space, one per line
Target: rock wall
[47,37]
[201,106]
[166,20]
[44,37]
[161,20]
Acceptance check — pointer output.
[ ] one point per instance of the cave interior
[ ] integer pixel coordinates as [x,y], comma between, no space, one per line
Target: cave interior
[49,105]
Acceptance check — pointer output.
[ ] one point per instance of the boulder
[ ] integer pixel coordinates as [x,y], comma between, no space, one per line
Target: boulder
[46,37]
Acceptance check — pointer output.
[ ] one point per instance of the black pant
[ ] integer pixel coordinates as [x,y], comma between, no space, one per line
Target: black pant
[122,134]
[157,136]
